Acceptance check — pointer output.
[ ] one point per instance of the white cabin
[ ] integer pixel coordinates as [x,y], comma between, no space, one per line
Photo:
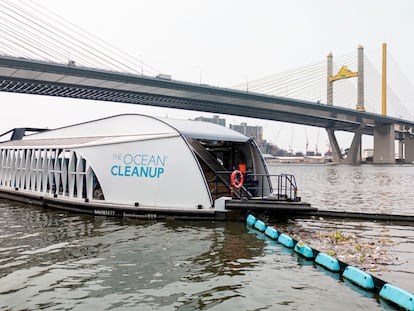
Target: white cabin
[132,161]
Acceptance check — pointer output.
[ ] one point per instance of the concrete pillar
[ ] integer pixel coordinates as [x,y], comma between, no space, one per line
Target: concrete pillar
[401,151]
[329,85]
[384,146]
[354,153]
[336,152]
[409,148]
[384,81]
[401,146]
[360,98]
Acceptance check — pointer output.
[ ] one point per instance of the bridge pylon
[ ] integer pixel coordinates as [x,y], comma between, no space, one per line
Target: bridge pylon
[384,134]
[354,152]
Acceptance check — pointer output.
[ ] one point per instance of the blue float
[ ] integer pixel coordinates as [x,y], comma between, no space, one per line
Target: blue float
[398,296]
[328,262]
[303,250]
[359,277]
[272,233]
[285,240]
[260,225]
[251,220]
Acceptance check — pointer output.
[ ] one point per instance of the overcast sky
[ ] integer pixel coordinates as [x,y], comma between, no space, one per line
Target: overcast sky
[223,43]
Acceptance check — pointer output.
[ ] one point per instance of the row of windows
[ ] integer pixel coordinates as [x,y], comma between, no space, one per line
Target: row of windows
[48,171]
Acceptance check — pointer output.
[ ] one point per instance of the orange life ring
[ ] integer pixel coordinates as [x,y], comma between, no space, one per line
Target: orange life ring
[236,179]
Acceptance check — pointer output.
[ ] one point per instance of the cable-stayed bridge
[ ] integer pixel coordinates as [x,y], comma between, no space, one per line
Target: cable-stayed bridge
[45,55]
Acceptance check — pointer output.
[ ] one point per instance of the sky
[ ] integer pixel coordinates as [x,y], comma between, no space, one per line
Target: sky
[223,43]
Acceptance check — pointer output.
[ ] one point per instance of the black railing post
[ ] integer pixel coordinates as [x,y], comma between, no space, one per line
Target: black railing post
[262,186]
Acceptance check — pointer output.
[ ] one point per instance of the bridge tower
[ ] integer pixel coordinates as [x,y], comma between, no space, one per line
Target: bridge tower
[354,155]
[384,135]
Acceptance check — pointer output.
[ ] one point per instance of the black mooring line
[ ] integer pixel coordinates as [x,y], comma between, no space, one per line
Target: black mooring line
[360,215]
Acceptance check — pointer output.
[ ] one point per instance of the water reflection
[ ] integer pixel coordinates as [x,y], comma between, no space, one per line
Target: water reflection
[56,260]
[366,188]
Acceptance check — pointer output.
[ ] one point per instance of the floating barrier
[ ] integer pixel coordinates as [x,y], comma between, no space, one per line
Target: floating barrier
[260,225]
[328,262]
[286,240]
[398,296]
[304,250]
[359,277]
[272,233]
[251,220]
[362,279]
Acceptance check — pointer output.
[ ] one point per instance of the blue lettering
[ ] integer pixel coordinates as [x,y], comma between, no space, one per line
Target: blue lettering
[144,171]
[114,171]
[137,159]
[152,161]
[127,171]
[161,160]
[135,171]
[160,171]
[138,171]
[128,158]
[139,165]
[152,175]
[144,160]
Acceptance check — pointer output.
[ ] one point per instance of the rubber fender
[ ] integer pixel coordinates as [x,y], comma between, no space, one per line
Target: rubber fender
[260,225]
[285,240]
[328,262]
[359,277]
[398,296]
[303,250]
[272,233]
[251,220]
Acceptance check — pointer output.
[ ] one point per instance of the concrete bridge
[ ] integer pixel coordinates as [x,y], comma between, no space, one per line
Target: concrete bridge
[21,75]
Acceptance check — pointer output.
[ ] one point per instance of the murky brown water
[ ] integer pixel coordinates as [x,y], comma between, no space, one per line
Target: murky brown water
[64,261]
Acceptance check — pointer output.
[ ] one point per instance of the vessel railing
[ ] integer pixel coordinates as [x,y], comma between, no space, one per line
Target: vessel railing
[281,187]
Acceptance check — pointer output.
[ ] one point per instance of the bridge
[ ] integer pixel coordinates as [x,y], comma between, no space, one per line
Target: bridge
[44,77]
[66,80]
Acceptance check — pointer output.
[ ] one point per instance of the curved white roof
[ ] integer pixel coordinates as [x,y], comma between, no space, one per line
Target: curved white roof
[133,125]
[205,130]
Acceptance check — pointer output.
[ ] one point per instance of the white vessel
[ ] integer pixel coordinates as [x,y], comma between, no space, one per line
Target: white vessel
[134,165]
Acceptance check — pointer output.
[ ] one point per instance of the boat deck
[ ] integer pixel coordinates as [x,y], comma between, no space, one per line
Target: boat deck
[271,206]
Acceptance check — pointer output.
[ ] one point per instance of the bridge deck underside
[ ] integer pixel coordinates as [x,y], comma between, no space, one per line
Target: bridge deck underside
[33,77]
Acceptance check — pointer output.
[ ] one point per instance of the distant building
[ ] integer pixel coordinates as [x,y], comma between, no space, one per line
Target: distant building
[215,119]
[255,132]
[367,155]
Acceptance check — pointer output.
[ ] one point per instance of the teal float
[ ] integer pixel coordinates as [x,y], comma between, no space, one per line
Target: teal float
[260,225]
[251,220]
[356,276]
[272,233]
[359,277]
[304,250]
[328,262]
[398,296]
[286,240]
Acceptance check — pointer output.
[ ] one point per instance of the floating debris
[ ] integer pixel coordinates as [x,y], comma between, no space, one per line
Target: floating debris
[372,256]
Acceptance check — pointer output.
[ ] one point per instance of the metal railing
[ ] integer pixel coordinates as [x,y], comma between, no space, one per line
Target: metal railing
[280,187]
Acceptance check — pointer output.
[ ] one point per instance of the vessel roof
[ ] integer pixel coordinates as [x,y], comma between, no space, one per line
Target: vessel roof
[126,127]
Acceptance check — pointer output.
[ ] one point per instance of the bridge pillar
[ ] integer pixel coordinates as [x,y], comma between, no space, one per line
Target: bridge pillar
[360,97]
[336,151]
[354,152]
[409,148]
[384,146]
[329,86]
[400,151]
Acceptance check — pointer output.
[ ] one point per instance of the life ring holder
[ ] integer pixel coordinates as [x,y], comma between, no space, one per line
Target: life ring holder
[236,179]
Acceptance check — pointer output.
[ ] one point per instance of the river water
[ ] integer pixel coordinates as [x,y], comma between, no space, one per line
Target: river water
[56,260]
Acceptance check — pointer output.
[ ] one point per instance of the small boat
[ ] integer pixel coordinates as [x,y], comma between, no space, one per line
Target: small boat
[140,166]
